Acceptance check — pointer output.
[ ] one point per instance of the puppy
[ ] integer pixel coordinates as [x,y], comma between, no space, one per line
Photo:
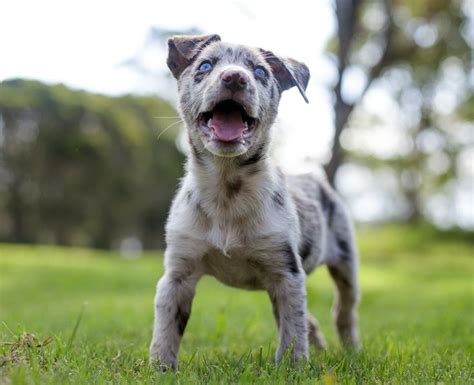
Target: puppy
[236,216]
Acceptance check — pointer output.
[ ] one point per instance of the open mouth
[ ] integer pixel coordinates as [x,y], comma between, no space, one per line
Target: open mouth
[228,122]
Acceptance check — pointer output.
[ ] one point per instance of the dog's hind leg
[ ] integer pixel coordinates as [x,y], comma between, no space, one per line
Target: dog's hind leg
[315,336]
[343,264]
[344,274]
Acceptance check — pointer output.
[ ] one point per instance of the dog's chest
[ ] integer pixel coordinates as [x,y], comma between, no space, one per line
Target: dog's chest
[240,255]
[224,237]
[239,267]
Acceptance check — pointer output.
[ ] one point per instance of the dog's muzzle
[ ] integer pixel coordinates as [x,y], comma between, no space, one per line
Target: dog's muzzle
[235,80]
[228,121]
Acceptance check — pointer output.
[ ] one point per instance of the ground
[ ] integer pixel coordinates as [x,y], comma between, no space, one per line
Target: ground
[84,317]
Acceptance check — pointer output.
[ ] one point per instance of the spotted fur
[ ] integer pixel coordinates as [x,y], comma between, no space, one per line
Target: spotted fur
[237,217]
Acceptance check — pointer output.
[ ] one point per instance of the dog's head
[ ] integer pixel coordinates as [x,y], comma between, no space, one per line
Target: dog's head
[229,94]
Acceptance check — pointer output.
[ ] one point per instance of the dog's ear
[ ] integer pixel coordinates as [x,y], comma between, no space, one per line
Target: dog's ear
[288,72]
[183,49]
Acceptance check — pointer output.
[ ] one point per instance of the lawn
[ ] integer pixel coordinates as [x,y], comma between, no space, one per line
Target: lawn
[84,317]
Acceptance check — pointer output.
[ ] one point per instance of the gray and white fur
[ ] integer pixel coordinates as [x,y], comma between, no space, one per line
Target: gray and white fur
[236,216]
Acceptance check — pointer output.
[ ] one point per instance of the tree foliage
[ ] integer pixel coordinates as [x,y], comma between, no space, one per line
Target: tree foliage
[83,169]
[416,55]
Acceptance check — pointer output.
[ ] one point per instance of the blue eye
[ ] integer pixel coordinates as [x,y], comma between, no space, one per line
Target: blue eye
[205,67]
[260,72]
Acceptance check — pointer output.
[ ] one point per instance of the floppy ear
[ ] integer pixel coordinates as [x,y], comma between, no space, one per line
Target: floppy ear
[183,49]
[288,72]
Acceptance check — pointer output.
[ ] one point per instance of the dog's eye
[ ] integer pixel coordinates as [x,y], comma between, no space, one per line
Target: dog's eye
[205,66]
[260,72]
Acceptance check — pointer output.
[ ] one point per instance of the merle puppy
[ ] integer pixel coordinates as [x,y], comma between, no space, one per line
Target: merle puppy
[236,216]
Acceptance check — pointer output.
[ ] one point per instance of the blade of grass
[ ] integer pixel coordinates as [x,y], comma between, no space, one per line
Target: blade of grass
[6,327]
[76,327]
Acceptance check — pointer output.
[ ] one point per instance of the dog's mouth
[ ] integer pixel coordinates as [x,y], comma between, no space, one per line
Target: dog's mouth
[228,122]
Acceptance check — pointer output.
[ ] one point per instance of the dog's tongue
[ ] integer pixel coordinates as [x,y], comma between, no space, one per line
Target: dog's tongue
[227,126]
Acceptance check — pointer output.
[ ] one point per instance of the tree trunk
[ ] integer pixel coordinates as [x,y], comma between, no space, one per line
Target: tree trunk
[346,15]
[15,208]
[342,112]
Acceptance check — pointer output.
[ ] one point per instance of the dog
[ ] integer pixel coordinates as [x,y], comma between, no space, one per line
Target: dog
[236,216]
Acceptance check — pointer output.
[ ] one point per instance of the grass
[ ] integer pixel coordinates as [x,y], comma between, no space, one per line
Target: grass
[84,317]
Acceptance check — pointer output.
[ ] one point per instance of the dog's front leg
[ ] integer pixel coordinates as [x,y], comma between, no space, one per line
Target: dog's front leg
[288,298]
[174,295]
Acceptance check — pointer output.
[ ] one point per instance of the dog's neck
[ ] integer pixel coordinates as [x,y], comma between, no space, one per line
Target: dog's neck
[232,186]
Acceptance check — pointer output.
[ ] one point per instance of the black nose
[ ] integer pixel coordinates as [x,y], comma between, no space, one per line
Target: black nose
[235,80]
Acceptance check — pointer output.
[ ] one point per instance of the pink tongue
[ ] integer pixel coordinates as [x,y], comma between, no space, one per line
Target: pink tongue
[227,126]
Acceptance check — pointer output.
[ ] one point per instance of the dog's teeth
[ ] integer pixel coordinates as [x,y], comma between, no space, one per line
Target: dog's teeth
[209,122]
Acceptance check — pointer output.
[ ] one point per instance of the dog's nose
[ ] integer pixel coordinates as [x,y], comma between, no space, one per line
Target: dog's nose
[235,80]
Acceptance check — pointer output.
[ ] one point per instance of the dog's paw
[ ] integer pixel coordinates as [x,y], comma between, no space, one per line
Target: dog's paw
[292,356]
[163,362]
[351,341]
[162,365]
[317,340]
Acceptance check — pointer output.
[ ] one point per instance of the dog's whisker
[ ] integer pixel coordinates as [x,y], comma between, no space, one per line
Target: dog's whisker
[167,128]
[198,45]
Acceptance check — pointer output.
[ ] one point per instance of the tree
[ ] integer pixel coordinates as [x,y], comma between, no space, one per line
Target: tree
[408,50]
[83,169]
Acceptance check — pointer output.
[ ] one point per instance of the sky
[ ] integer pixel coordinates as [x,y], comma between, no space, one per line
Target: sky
[81,43]
[84,45]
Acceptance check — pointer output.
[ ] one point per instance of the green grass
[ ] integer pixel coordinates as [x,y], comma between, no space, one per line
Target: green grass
[84,317]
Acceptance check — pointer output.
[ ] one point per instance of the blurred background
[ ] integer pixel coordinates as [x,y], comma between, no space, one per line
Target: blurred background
[91,144]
